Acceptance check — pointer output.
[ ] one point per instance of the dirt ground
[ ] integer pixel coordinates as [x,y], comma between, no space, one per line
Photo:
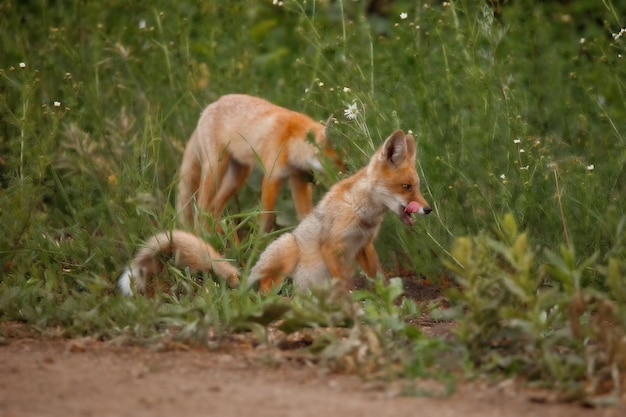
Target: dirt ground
[53,376]
[58,377]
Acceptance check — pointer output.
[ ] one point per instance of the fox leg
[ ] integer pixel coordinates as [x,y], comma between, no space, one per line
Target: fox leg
[368,260]
[214,170]
[272,280]
[234,177]
[188,186]
[334,258]
[302,192]
[277,261]
[269,195]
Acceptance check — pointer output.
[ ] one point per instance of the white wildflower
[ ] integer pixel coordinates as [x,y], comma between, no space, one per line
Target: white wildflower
[57,104]
[321,84]
[619,34]
[522,150]
[581,41]
[351,112]
[502,177]
[591,167]
[517,141]
[404,15]
[22,65]
[142,24]
[346,90]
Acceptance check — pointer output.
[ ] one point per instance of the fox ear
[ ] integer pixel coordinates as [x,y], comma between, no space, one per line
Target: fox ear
[329,121]
[410,145]
[326,133]
[395,148]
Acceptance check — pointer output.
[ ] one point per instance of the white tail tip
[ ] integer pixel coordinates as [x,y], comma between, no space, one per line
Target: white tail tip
[123,283]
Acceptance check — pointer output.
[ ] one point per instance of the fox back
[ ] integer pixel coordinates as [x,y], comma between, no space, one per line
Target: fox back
[254,129]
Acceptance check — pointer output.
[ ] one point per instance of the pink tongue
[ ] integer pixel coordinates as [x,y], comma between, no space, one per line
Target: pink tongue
[412,207]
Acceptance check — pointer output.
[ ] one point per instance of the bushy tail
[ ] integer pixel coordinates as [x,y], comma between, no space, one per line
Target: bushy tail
[184,250]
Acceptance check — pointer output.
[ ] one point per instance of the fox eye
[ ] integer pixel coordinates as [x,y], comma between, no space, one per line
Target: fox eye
[407,187]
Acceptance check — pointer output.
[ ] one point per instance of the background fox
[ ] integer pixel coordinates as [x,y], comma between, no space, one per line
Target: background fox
[339,233]
[185,250]
[234,134]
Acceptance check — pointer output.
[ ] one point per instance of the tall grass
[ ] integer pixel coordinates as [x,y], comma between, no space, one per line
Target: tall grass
[520,111]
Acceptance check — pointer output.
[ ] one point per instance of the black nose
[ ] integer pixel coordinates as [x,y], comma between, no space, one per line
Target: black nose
[427,210]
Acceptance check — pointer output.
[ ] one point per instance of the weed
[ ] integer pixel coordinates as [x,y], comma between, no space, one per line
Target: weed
[540,319]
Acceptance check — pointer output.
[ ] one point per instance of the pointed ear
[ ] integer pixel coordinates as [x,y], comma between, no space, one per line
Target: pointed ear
[410,145]
[327,130]
[329,121]
[394,150]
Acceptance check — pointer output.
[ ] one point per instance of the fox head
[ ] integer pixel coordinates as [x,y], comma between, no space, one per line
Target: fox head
[394,177]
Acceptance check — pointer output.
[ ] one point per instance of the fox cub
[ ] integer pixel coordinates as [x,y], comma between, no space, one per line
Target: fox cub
[338,234]
[341,230]
[236,133]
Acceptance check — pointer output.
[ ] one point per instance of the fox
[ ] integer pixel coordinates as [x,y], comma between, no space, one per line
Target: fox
[235,134]
[185,250]
[341,230]
[327,244]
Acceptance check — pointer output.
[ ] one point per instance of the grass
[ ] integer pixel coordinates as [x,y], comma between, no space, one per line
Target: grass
[519,117]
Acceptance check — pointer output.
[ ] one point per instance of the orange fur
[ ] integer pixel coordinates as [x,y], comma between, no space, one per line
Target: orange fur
[184,250]
[341,230]
[328,243]
[237,133]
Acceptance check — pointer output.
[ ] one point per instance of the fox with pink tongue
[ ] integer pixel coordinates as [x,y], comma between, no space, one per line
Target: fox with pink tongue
[327,244]
[341,230]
